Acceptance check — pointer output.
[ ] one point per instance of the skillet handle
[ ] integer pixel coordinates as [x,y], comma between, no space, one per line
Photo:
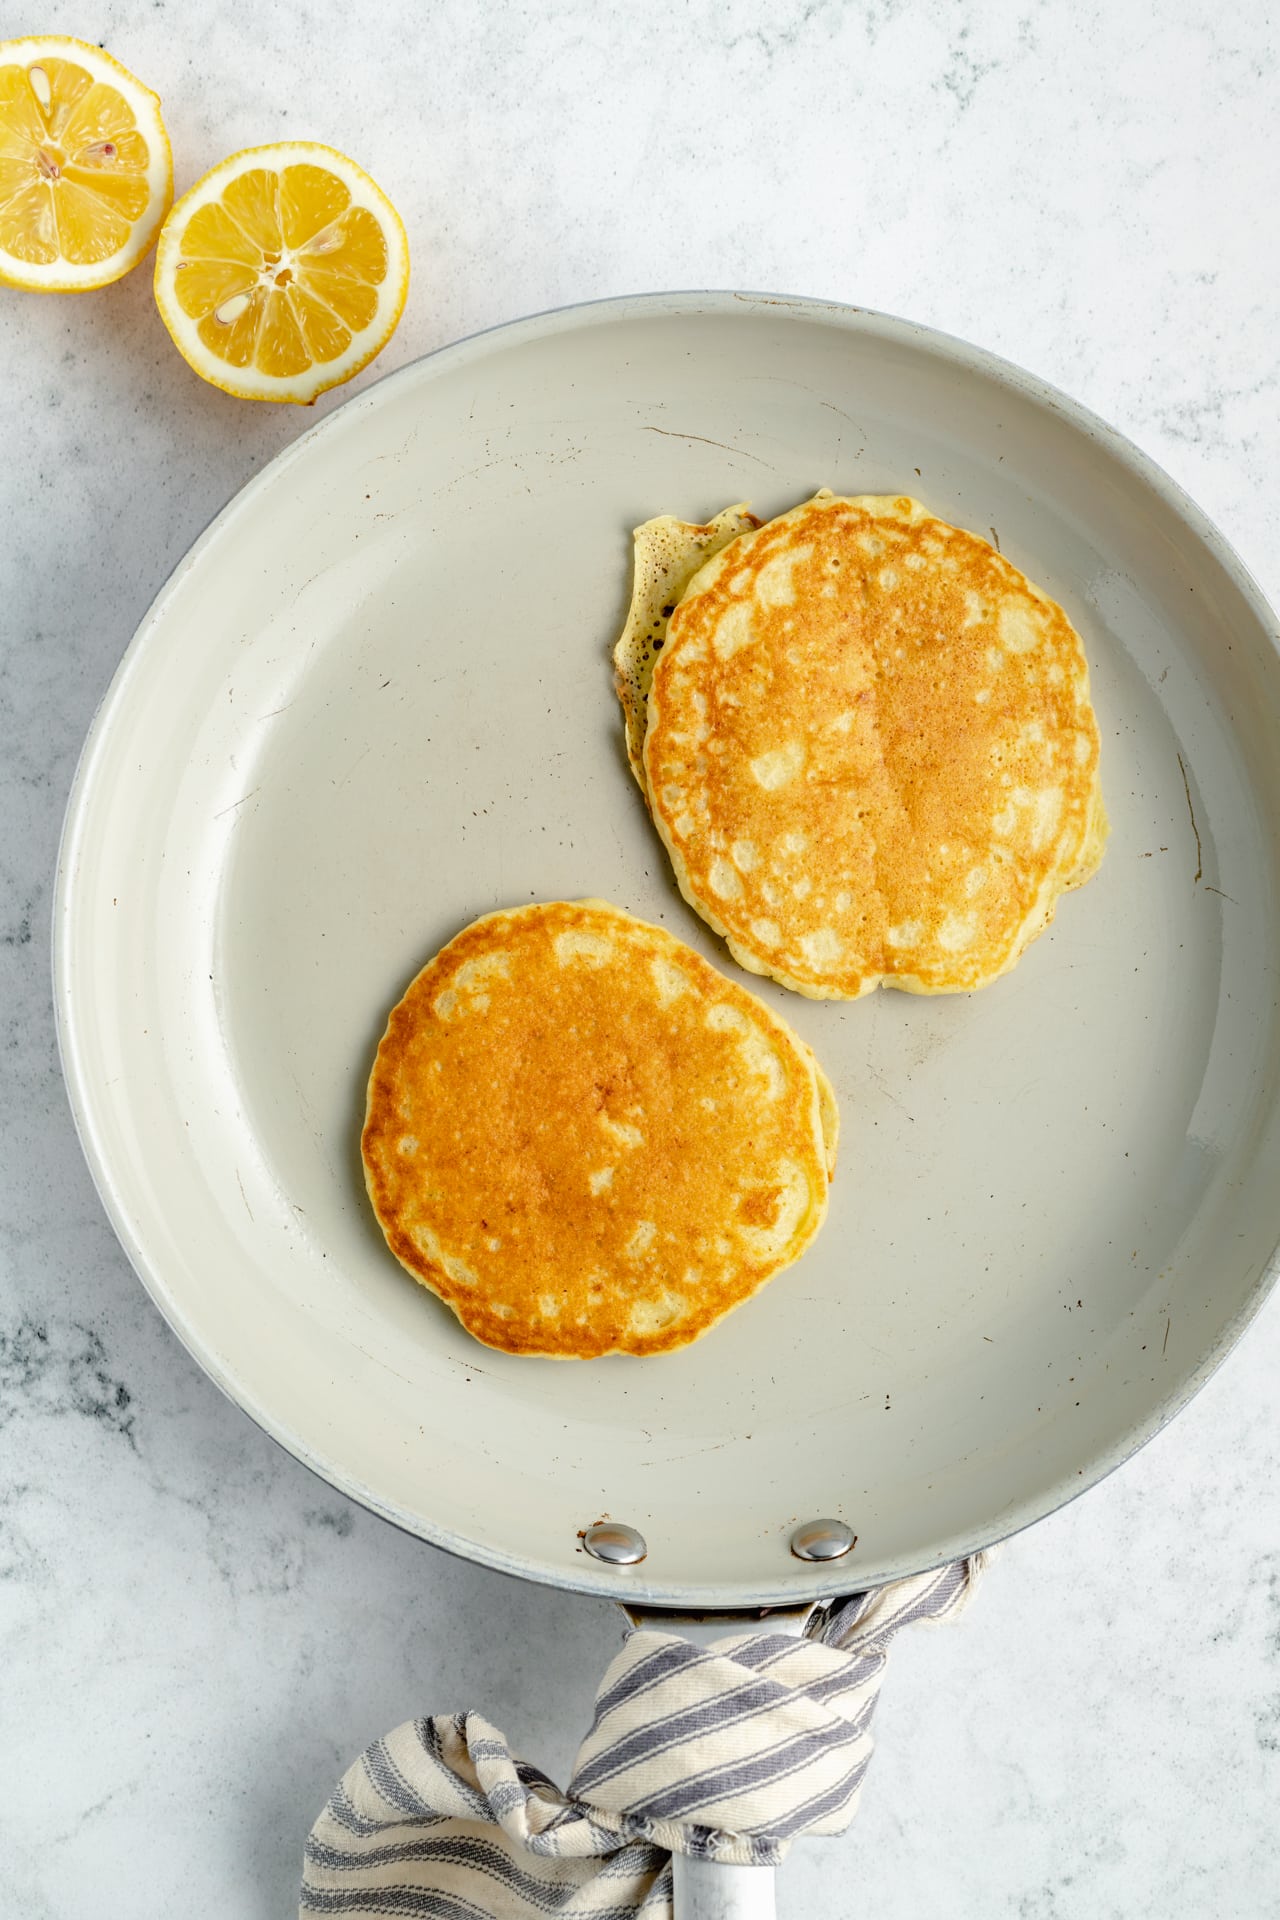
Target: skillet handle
[710,1890]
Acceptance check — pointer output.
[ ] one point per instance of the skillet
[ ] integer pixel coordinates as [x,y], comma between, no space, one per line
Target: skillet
[374,702]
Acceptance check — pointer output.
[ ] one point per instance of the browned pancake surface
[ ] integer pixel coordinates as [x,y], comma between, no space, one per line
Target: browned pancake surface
[870,751]
[586,1140]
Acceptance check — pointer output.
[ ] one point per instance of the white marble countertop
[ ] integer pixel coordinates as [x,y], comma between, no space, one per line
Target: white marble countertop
[197,1636]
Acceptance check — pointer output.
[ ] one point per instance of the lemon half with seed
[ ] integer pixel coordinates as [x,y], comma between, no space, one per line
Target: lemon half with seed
[282,272]
[86,174]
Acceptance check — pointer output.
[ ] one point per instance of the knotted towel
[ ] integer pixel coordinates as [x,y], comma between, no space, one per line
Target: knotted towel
[729,1751]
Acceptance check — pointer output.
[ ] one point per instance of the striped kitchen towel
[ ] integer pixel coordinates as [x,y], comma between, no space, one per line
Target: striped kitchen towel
[727,1751]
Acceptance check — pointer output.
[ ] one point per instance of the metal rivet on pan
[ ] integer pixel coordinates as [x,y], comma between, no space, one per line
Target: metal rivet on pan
[822,1540]
[609,1540]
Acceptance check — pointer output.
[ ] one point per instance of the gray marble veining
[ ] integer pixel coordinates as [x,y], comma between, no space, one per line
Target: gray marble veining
[196,1635]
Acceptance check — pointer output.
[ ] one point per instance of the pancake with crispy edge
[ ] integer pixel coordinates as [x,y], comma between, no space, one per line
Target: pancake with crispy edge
[586,1140]
[668,552]
[870,750]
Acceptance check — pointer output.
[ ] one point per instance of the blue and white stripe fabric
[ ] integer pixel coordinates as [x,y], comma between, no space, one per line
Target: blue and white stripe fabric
[727,1751]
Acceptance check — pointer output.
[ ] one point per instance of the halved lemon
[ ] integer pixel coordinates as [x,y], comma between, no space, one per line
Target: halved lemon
[86,175]
[282,272]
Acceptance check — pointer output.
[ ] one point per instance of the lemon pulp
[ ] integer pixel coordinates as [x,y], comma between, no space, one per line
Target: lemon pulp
[282,271]
[83,165]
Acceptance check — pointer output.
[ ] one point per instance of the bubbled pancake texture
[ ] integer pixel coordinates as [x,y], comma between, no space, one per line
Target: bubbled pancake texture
[870,751]
[585,1139]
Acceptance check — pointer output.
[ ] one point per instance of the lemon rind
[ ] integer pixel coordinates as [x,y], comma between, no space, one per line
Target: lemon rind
[250,383]
[61,276]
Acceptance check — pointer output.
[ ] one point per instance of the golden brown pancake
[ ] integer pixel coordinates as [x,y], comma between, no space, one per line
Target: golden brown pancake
[870,751]
[588,1141]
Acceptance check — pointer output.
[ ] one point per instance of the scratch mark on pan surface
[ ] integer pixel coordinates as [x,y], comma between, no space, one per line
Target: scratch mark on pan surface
[674,1459]
[237,803]
[1186,788]
[840,410]
[995,540]
[803,386]
[499,460]
[1164,1349]
[351,769]
[800,306]
[879,1084]
[741,452]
